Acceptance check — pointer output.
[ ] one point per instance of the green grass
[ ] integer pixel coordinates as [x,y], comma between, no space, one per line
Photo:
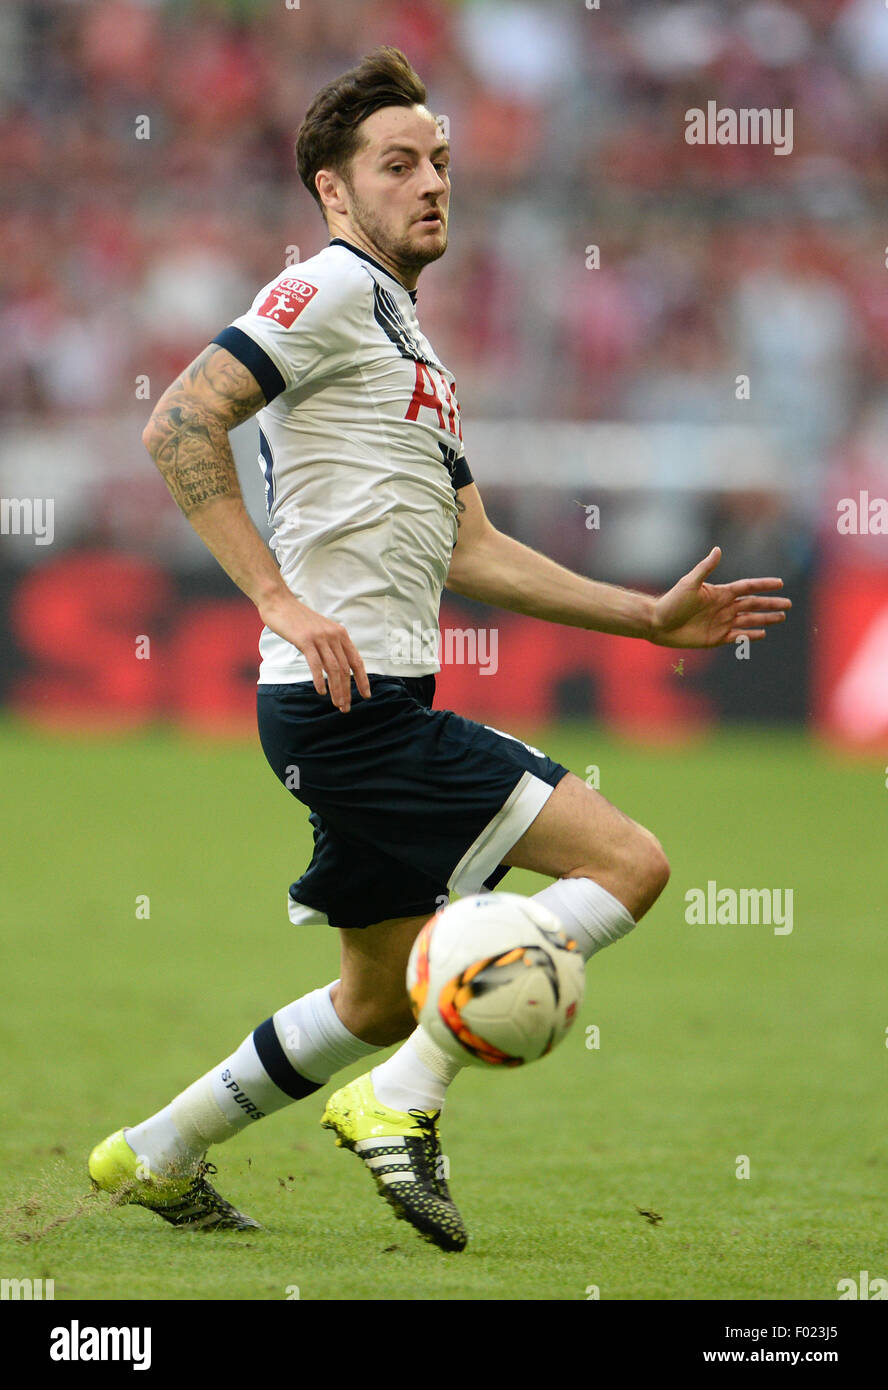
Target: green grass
[715,1041]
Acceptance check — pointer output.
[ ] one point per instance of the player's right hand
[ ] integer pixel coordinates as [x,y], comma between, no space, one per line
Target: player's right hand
[325,645]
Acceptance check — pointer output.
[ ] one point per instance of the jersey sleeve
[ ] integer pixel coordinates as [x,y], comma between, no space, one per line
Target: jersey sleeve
[294,326]
[462,474]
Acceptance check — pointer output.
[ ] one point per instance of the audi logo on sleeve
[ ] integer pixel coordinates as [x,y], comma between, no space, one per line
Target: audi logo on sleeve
[286,301]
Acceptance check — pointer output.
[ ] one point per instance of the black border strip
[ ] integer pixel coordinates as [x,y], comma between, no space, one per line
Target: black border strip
[275,1061]
[462,474]
[254,358]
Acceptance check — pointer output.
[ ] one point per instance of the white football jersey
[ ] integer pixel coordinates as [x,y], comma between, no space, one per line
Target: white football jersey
[362,452]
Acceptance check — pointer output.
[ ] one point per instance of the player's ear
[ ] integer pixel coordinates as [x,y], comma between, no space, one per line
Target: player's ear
[331,190]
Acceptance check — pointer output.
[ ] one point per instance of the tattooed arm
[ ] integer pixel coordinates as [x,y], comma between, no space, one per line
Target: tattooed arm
[187,436]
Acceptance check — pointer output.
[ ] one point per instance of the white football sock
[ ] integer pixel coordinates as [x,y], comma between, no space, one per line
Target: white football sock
[588,912]
[416,1077]
[287,1057]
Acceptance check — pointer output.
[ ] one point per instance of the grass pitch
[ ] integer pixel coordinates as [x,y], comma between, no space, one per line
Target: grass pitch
[721,1048]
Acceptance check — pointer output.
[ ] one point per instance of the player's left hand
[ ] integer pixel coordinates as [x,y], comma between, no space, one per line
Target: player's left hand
[696,614]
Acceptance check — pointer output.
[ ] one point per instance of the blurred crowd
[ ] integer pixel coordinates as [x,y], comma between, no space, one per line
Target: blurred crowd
[149,190]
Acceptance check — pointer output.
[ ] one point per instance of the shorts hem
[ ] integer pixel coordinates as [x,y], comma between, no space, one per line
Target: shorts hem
[524,804]
[301,915]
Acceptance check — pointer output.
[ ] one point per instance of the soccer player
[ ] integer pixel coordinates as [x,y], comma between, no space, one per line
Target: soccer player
[374,512]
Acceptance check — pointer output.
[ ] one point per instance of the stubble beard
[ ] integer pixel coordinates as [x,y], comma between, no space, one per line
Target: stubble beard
[401,251]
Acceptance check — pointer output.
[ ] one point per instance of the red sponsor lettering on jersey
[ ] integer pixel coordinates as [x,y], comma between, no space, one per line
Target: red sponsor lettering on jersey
[455,425]
[287,300]
[432,390]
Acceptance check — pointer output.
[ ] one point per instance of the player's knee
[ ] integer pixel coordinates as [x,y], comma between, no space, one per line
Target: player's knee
[657,868]
[636,870]
[650,869]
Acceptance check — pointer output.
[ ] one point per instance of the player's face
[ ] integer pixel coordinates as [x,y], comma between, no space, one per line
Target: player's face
[398,194]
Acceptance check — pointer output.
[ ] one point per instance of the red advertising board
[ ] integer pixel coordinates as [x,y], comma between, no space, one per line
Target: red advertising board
[850,656]
[110,641]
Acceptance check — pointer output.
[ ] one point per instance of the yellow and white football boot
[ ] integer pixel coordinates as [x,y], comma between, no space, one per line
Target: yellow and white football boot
[402,1151]
[187,1201]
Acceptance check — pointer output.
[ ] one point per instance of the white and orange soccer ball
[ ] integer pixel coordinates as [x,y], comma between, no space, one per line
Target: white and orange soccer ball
[495,979]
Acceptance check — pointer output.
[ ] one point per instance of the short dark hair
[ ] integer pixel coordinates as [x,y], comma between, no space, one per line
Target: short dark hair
[328,137]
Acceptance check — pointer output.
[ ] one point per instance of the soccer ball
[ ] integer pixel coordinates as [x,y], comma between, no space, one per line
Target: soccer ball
[495,979]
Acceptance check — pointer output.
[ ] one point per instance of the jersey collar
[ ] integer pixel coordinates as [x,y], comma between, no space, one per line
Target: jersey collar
[339,241]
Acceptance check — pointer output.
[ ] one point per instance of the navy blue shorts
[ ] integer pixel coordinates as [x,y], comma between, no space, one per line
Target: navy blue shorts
[407,803]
